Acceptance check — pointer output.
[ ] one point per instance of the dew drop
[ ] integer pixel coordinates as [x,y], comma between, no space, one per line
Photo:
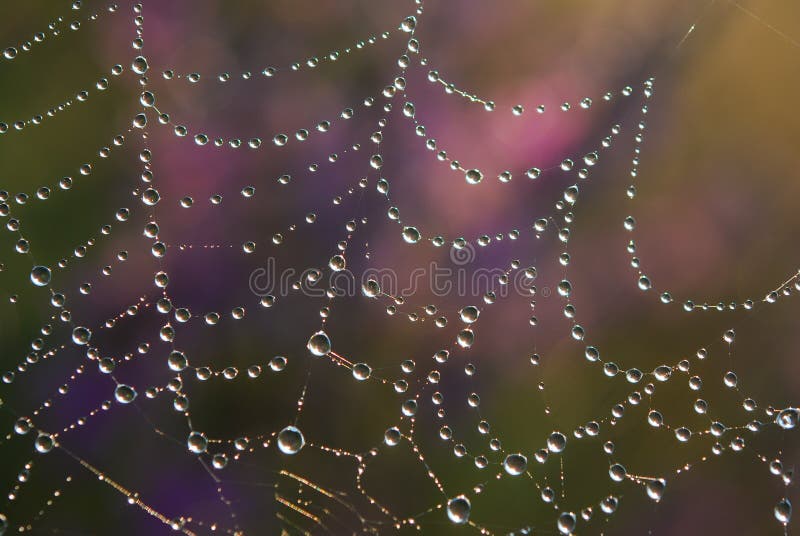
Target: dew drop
[469,314]
[139,65]
[617,472]
[197,442]
[783,511]
[40,275]
[411,235]
[655,489]
[147,99]
[473,176]
[533,173]
[371,288]
[361,371]
[788,418]
[466,338]
[337,263]
[392,436]
[290,440]
[44,443]
[458,510]
[565,288]
[81,335]
[609,505]
[683,434]
[409,24]
[566,523]
[557,442]
[515,464]
[319,344]
[124,394]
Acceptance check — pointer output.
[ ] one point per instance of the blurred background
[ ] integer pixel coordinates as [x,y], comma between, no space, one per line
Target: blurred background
[716,222]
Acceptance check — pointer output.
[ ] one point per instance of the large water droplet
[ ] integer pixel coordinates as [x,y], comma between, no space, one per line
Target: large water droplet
[125,394]
[361,371]
[788,418]
[290,440]
[458,510]
[557,442]
[566,522]
[319,344]
[139,65]
[197,442]
[617,472]
[469,314]
[783,511]
[44,443]
[81,335]
[473,176]
[411,235]
[408,24]
[515,464]
[40,275]
[655,489]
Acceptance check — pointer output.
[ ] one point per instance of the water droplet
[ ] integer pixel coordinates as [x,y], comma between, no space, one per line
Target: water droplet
[319,344]
[617,472]
[139,65]
[458,510]
[337,263]
[147,99]
[655,488]
[683,434]
[729,336]
[655,419]
[44,443]
[361,371]
[40,276]
[473,176]
[278,363]
[197,442]
[783,511]
[565,288]
[81,335]
[609,505]
[392,436]
[371,288]
[465,338]
[515,464]
[730,380]
[411,235]
[469,314]
[788,418]
[125,394]
[290,440]
[22,426]
[566,522]
[533,173]
[557,442]
[409,24]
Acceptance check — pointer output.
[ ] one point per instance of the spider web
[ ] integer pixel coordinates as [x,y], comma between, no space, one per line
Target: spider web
[295,320]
